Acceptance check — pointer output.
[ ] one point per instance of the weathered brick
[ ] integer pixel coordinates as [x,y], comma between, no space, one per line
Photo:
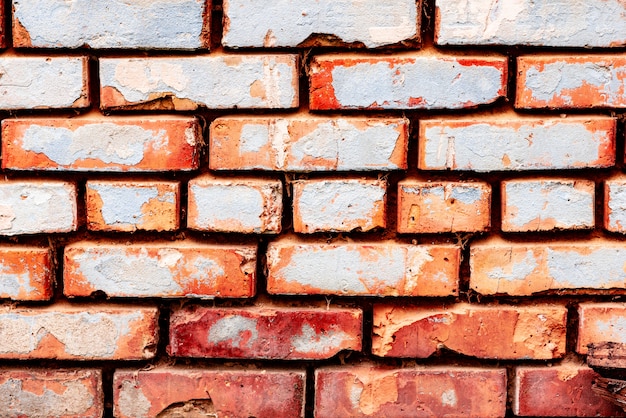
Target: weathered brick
[615,204]
[132,205]
[58,393]
[600,322]
[386,82]
[593,23]
[270,23]
[43,82]
[264,332]
[101,144]
[518,268]
[245,205]
[79,333]
[233,81]
[571,82]
[436,207]
[547,204]
[368,390]
[308,144]
[228,392]
[339,205]
[27,272]
[483,331]
[37,207]
[559,391]
[369,269]
[181,24]
[513,144]
[167,269]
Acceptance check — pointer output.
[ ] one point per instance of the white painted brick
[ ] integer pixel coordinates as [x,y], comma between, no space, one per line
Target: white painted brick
[43,82]
[287,23]
[543,205]
[164,24]
[575,23]
[34,207]
[615,204]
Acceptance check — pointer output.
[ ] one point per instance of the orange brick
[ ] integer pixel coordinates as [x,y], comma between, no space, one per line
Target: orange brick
[27,272]
[600,322]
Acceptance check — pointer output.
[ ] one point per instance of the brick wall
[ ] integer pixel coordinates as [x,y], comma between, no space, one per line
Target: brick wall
[322,208]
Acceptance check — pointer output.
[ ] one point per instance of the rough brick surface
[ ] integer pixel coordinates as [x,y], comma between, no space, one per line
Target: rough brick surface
[264,332]
[43,82]
[227,391]
[27,272]
[307,143]
[51,393]
[370,269]
[236,81]
[178,269]
[600,322]
[510,144]
[104,24]
[366,391]
[527,268]
[494,331]
[101,144]
[79,333]
[562,390]
[615,204]
[386,82]
[26,206]
[269,23]
[245,205]
[546,204]
[339,205]
[594,23]
[436,207]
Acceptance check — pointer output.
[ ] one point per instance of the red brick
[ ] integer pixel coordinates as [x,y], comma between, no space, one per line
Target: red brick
[264,332]
[51,393]
[228,392]
[571,82]
[96,143]
[159,269]
[562,390]
[373,269]
[387,82]
[436,207]
[600,322]
[27,272]
[368,390]
[68,332]
[483,331]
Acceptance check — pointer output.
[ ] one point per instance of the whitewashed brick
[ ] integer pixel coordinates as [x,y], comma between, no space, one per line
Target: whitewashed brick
[615,204]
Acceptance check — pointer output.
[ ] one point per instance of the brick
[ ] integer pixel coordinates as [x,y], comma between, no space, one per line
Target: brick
[339,205]
[600,322]
[561,390]
[235,81]
[100,143]
[483,331]
[51,393]
[287,24]
[27,272]
[43,82]
[438,207]
[264,332]
[515,144]
[502,267]
[547,204]
[79,333]
[101,24]
[386,82]
[367,269]
[245,205]
[306,143]
[615,204]
[594,23]
[37,207]
[159,269]
[369,390]
[228,392]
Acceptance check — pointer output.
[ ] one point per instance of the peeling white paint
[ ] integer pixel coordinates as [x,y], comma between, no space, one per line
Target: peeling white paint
[515,271]
[329,342]
[122,204]
[14,284]
[600,268]
[231,328]
[617,205]
[132,402]
[449,398]
[613,329]
[74,400]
